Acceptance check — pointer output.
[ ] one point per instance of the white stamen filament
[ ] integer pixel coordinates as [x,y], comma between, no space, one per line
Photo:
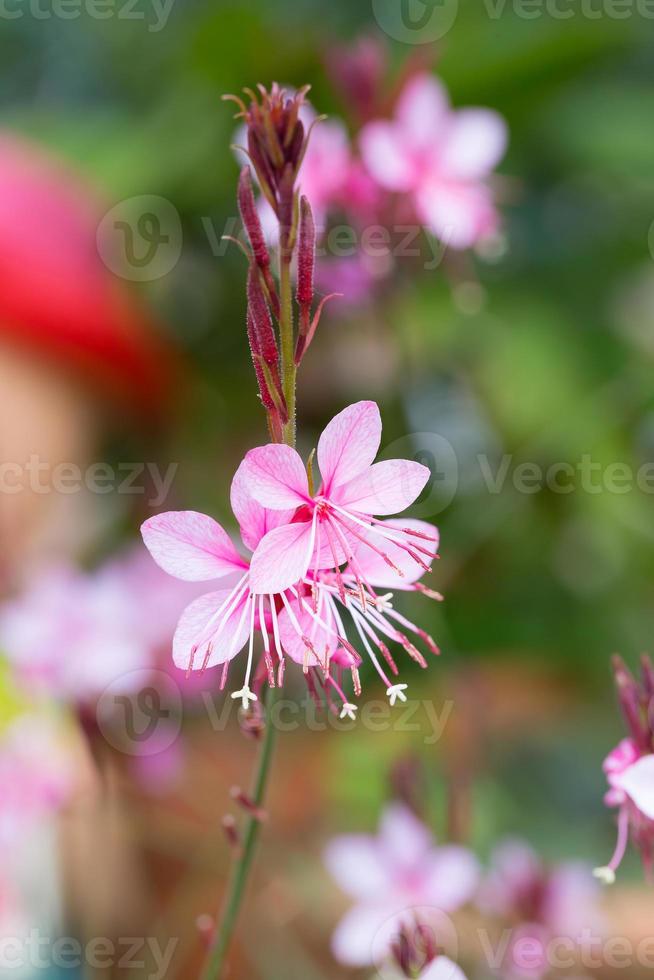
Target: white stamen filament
[232,600]
[378,667]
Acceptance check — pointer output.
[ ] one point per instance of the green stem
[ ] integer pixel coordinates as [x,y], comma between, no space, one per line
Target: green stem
[238,880]
[287,340]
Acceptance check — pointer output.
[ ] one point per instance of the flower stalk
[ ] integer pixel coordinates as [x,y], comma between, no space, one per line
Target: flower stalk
[219,948]
[276,144]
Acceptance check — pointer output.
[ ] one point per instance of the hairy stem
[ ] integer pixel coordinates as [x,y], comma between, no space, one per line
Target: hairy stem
[236,889]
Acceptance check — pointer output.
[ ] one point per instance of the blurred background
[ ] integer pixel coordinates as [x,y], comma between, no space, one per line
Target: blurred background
[128,352]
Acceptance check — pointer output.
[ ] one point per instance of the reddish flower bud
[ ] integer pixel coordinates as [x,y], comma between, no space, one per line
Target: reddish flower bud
[250,217]
[306,256]
[633,702]
[266,397]
[276,138]
[261,319]
[231,831]
[247,804]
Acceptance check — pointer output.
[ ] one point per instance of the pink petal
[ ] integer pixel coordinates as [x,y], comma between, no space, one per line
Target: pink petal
[349,444]
[275,476]
[192,628]
[423,111]
[515,870]
[356,865]
[571,903]
[442,968]
[281,559]
[404,840]
[459,214]
[384,488]
[376,571]
[386,156]
[191,546]
[638,783]
[451,877]
[323,639]
[353,942]
[254,520]
[475,142]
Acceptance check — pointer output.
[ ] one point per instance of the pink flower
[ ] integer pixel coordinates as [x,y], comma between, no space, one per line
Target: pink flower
[441,157]
[74,633]
[327,166]
[335,525]
[214,628]
[293,586]
[629,770]
[37,774]
[541,902]
[389,875]
[630,775]
[442,968]
[415,951]
[327,525]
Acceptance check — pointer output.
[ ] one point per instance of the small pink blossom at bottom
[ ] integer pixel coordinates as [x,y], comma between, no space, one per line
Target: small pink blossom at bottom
[416,953]
[561,901]
[442,158]
[387,875]
[442,968]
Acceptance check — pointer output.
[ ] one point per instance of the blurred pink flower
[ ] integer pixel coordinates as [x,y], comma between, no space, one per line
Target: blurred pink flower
[37,774]
[442,968]
[441,157]
[542,903]
[71,634]
[390,874]
[417,954]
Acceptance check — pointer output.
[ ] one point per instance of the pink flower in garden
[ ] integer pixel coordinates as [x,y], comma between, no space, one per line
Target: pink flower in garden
[441,157]
[297,616]
[336,525]
[37,774]
[389,876]
[629,770]
[541,903]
